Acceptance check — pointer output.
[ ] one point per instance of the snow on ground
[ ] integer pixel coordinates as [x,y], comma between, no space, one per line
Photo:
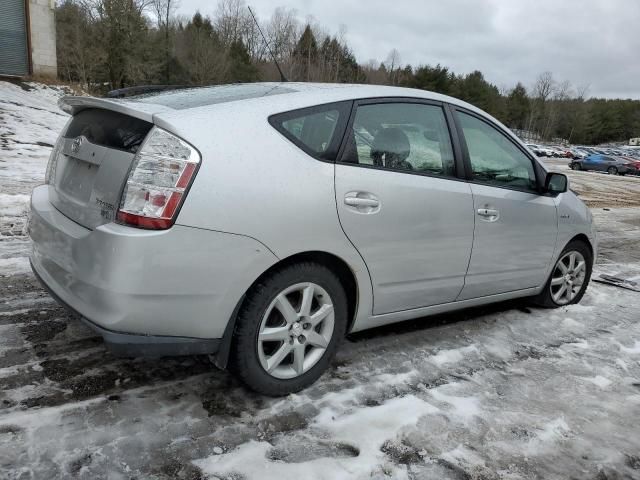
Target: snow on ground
[500,392]
[30,121]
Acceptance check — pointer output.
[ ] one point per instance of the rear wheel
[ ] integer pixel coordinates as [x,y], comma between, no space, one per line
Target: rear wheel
[569,278]
[289,328]
[612,171]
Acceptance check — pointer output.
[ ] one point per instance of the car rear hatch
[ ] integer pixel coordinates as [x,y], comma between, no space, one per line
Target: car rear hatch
[93,155]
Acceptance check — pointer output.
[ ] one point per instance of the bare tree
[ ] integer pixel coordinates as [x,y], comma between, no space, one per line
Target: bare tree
[164,10]
[541,92]
[282,32]
[392,63]
[232,21]
[544,86]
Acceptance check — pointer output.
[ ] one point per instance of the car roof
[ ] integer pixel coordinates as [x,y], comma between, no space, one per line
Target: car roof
[298,95]
[283,95]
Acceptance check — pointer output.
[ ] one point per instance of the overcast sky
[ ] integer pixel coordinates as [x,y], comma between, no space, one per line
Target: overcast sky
[588,42]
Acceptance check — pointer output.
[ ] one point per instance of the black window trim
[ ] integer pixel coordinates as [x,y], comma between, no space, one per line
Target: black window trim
[538,171]
[453,137]
[329,155]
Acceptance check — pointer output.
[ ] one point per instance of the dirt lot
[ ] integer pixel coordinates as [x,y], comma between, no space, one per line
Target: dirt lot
[600,189]
[502,392]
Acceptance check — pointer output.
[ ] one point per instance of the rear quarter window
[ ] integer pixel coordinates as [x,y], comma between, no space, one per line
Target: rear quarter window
[315,130]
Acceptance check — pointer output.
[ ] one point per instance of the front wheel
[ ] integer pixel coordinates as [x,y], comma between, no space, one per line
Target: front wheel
[569,277]
[289,328]
[612,171]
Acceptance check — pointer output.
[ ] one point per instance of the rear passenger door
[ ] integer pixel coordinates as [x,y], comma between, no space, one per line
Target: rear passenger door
[402,206]
[515,225]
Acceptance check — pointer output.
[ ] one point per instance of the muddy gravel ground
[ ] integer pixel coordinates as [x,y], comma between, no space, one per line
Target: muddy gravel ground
[598,189]
[502,392]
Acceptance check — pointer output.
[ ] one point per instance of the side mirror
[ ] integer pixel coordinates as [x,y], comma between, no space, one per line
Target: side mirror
[556,183]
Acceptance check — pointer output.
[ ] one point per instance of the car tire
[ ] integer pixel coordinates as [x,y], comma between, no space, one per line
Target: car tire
[576,166]
[254,351]
[548,297]
[612,171]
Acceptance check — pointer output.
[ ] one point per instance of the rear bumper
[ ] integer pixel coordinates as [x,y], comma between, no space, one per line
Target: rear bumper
[183,282]
[131,345]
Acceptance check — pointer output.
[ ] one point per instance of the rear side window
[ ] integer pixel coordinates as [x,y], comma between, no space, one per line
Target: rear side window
[409,137]
[316,130]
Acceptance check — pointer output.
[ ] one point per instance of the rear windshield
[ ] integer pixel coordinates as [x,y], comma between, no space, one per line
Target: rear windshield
[109,129]
[201,96]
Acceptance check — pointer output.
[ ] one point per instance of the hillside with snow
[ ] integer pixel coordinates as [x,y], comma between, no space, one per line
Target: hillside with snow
[30,122]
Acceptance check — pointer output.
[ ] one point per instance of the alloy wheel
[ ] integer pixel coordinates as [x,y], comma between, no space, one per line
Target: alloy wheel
[568,277]
[295,330]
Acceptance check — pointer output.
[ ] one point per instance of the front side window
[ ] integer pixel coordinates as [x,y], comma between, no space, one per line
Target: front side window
[410,137]
[314,130]
[494,158]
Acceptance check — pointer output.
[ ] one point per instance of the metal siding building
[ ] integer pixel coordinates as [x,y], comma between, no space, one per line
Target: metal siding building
[27,37]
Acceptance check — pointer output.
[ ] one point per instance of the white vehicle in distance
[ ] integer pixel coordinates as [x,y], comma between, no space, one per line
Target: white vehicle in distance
[537,149]
[261,223]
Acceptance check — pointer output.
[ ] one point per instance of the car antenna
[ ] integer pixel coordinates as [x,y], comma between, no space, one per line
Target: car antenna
[282,77]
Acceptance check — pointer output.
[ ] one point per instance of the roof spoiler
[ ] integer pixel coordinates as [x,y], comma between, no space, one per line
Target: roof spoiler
[73,105]
[139,90]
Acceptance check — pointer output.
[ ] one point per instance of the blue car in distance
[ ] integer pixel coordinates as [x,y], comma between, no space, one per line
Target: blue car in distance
[604,163]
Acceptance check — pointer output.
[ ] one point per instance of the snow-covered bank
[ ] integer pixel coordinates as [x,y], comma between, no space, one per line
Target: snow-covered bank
[30,122]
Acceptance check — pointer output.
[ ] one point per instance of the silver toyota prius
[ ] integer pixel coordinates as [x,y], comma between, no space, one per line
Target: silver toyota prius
[261,223]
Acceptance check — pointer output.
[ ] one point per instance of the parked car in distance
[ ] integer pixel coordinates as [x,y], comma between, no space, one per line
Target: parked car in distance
[560,152]
[633,162]
[549,152]
[261,223]
[604,163]
[577,153]
[537,149]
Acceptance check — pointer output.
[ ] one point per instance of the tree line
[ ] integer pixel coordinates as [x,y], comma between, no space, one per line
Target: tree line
[109,44]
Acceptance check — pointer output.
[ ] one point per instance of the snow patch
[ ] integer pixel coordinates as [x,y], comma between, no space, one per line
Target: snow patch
[571,324]
[364,428]
[464,456]
[14,266]
[600,381]
[551,433]
[635,350]
[454,355]
[462,407]
[13,205]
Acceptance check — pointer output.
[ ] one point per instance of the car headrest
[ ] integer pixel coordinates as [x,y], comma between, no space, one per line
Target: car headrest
[392,143]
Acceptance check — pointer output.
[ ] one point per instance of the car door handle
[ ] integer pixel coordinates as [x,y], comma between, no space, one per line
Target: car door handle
[488,212]
[361,202]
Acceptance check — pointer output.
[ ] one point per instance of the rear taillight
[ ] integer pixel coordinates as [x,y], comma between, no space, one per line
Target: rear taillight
[162,171]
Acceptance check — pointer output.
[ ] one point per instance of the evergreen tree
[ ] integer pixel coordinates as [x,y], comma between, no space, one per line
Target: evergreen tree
[517,107]
[240,67]
[306,54]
